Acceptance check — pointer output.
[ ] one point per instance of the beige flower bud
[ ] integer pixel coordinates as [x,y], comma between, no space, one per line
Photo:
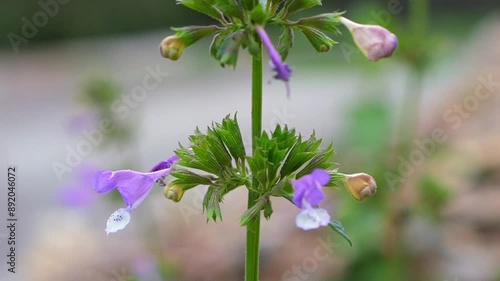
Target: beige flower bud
[172,47]
[360,185]
[173,192]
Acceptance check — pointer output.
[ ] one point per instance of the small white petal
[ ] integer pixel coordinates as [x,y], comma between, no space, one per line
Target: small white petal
[118,220]
[309,219]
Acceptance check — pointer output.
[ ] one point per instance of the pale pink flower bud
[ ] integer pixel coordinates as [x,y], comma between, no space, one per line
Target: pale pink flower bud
[374,41]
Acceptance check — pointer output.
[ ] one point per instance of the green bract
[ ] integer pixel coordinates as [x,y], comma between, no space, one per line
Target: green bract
[218,159]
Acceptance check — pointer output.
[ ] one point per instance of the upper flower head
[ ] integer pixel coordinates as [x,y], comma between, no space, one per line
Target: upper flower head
[374,41]
[360,185]
[283,71]
[172,47]
[307,195]
[133,186]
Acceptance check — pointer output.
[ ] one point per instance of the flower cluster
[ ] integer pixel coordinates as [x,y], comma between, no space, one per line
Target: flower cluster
[242,24]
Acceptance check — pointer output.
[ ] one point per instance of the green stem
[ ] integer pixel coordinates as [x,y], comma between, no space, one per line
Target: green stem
[253,228]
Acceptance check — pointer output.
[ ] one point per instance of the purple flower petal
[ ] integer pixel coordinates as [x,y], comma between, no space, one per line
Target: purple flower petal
[283,71]
[133,186]
[165,164]
[321,176]
[308,189]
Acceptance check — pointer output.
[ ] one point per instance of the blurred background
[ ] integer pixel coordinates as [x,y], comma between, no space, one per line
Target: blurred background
[424,123]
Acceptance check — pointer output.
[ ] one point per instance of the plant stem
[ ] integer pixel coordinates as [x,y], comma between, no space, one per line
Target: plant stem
[253,228]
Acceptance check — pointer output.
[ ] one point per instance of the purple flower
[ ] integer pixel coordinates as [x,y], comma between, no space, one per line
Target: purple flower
[78,192]
[374,41]
[307,195]
[133,186]
[283,71]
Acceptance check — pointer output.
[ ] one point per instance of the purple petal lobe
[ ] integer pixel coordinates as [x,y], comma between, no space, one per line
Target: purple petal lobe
[308,189]
[321,176]
[165,164]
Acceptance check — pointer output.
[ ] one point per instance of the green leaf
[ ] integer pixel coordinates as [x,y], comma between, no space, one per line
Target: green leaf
[268,210]
[320,41]
[252,213]
[216,45]
[320,161]
[285,42]
[216,146]
[230,134]
[203,6]
[299,155]
[189,178]
[339,228]
[293,6]
[230,8]
[326,22]
[191,34]
[259,15]
[228,51]
[248,5]
[211,203]
[251,44]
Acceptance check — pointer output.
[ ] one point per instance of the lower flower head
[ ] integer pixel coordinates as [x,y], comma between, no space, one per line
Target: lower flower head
[374,41]
[307,195]
[133,186]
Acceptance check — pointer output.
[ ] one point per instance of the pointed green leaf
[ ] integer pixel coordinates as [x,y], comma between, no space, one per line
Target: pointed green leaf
[259,15]
[248,5]
[285,42]
[230,8]
[203,6]
[228,51]
[293,6]
[320,41]
[191,34]
[339,228]
[326,22]
[186,177]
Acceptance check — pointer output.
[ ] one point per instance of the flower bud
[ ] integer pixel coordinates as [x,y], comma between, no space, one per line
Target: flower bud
[172,47]
[174,192]
[360,185]
[374,41]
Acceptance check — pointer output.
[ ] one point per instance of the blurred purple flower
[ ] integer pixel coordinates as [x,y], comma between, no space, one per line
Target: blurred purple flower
[86,121]
[144,267]
[78,192]
[283,71]
[133,186]
[307,195]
